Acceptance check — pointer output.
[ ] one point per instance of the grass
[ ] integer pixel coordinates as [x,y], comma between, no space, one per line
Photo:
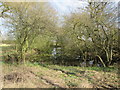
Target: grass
[76,68]
[72,84]
[10,49]
[5,45]
[7,49]
[77,79]
[66,80]
[106,69]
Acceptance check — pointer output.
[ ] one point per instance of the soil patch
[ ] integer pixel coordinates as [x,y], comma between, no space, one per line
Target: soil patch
[14,77]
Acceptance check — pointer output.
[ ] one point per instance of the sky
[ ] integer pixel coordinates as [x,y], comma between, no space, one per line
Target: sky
[64,7]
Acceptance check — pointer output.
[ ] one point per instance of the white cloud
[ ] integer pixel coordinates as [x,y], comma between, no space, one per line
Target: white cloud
[65,6]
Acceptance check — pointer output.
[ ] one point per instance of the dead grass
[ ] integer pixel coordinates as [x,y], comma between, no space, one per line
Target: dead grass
[42,77]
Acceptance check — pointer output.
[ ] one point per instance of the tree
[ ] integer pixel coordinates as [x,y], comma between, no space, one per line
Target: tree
[27,21]
[92,32]
[105,28]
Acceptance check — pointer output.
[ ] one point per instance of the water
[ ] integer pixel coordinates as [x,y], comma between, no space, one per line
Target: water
[54,52]
[57,51]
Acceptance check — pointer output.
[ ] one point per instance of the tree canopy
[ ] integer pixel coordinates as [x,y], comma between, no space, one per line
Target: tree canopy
[90,35]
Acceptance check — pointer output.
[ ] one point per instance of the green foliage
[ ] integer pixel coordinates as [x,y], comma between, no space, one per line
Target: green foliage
[8,41]
[85,36]
[90,34]
[105,69]
[43,44]
[72,84]
[9,54]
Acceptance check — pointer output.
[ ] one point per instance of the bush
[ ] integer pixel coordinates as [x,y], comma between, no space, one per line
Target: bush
[11,58]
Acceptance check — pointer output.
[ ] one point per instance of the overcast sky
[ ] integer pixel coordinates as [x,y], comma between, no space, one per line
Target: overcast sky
[64,7]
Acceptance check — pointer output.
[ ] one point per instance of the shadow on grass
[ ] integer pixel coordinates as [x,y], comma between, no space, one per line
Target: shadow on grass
[105,69]
[71,68]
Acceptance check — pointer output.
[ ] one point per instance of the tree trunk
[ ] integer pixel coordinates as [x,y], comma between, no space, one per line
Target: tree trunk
[101,60]
[22,55]
[110,56]
[24,58]
[107,55]
[85,57]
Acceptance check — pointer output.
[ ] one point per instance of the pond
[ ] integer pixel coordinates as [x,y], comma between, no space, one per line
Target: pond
[57,50]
